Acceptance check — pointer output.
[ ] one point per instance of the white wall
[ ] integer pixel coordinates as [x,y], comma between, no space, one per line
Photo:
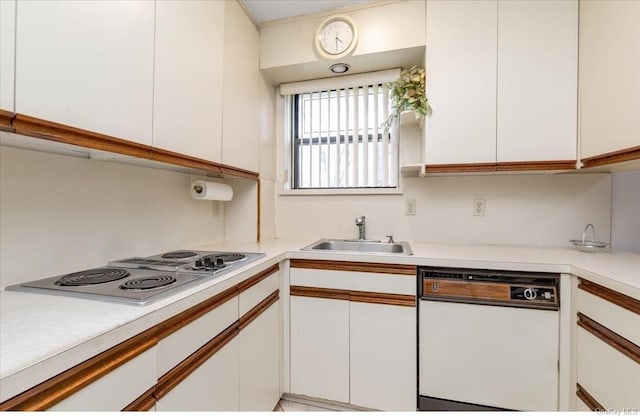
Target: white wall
[60,214]
[625,211]
[520,209]
[267,139]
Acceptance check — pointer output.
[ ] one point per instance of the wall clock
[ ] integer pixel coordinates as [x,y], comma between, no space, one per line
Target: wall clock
[336,37]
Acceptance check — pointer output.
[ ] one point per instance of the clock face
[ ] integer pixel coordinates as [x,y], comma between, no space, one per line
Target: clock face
[336,36]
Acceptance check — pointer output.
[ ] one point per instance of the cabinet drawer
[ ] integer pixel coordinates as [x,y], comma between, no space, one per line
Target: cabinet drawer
[620,320]
[183,342]
[115,390]
[611,377]
[258,292]
[404,284]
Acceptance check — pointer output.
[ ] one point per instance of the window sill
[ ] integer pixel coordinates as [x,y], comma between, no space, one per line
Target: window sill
[345,191]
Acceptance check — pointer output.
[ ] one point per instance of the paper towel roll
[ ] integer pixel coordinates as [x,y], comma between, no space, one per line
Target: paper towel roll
[212,191]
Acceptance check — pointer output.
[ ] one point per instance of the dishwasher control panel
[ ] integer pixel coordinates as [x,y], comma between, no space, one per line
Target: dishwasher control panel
[535,294]
[517,289]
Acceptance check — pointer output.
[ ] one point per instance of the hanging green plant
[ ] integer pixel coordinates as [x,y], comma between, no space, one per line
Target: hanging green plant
[407,93]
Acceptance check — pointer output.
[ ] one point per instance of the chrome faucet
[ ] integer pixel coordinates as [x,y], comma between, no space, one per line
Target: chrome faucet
[361,227]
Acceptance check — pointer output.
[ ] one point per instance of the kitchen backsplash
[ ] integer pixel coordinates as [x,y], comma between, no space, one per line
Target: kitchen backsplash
[60,214]
[520,209]
[625,211]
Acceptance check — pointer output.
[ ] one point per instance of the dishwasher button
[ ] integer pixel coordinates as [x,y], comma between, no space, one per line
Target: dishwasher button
[530,294]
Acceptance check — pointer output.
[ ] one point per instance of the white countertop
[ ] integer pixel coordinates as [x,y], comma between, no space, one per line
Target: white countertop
[43,335]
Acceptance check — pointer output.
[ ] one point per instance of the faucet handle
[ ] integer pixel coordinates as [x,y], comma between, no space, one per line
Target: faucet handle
[360,220]
[390,237]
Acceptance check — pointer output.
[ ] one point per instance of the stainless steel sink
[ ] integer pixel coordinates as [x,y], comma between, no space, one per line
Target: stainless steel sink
[360,246]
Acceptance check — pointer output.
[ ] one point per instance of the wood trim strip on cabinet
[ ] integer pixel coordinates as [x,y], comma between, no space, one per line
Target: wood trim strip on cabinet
[349,266]
[618,342]
[460,168]
[184,318]
[588,399]
[540,165]
[190,364]
[254,312]
[612,296]
[35,127]
[49,130]
[254,280]
[382,298]
[145,402]
[173,158]
[259,211]
[58,388]
[319,292]
[624,155]
[353,295]
[238,172]
[6,118]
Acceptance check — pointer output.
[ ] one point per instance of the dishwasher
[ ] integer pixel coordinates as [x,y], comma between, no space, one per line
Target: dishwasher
[487,340]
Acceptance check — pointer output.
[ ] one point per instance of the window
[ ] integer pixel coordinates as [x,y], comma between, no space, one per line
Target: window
[336,139]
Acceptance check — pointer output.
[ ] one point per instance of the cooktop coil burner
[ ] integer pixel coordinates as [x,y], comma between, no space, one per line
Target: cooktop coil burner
[142,280]
[179,254]
[147,283]
[230,257]
[92,277]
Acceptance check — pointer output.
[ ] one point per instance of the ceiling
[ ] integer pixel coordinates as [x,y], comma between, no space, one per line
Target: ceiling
[266,10]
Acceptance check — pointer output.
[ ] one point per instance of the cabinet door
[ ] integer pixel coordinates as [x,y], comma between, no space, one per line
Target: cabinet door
[537,80]
[211,387]
[241,90]
[320,348]
[383,356]
[88,64]
[609,76]
[461,82]
[260,362]
[7,53]
[187,106]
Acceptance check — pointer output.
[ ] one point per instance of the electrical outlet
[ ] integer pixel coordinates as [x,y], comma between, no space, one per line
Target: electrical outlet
[410,206]
[478,207]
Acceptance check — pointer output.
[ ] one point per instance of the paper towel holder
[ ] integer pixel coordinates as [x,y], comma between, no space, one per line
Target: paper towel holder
[212,191]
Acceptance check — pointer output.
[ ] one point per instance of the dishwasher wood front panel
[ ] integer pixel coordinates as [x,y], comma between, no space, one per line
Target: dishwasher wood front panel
[489,355]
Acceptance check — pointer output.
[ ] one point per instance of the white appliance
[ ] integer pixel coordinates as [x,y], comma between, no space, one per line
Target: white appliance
[488,340]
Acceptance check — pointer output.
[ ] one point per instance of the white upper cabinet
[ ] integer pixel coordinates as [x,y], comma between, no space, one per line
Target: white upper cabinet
[187,107]
[461,82]
[7,53]
[240,116]
[502,81]
[609,76]
[537,80]
[88,64]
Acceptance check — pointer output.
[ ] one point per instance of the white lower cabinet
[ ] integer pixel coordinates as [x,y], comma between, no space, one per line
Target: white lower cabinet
[382,356]
[213,386]
[260,362]
[608,349]
[115,390]
[353,334]
[320,348]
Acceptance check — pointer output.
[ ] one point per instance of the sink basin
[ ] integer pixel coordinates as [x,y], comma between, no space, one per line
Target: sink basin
[360,246]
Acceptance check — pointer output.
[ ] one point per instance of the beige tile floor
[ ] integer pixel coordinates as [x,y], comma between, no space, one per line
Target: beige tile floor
[291,403]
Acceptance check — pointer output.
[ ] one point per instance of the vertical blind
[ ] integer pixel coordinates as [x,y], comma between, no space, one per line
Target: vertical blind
[337,139]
